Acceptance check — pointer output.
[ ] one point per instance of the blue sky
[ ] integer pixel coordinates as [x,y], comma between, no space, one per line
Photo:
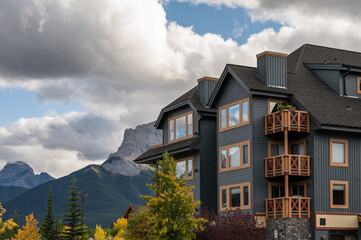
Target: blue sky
[211,19]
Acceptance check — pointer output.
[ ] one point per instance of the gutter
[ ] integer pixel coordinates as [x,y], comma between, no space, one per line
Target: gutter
[344,80]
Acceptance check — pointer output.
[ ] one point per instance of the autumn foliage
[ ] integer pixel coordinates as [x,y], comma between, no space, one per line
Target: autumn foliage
[235,225]
[30,230]
[8,228]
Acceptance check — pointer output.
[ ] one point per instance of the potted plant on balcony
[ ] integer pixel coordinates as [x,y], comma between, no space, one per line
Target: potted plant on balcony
[282,106]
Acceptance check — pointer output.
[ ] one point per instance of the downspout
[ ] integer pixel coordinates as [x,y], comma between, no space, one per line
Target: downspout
[344,80]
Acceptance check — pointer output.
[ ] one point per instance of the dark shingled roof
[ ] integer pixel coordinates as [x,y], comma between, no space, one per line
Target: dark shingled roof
[192,96]
[187,144]
[325,105]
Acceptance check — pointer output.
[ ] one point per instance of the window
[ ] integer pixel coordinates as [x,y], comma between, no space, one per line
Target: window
[180,127]
[235,196]
[277,148]
[296,189]
[298,147]
[359,85]
[338,152]
[234,156]
[272,102]
[339,194]
[234,115]
[185,168]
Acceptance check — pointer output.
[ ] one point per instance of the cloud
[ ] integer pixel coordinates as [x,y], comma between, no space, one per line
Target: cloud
[123,61]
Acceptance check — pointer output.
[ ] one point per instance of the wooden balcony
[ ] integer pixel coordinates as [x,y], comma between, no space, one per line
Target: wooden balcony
[298,121]
[288,207]
[287,164]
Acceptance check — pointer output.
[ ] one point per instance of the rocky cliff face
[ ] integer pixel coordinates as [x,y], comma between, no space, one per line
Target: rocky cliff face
[135,142]
[22,175]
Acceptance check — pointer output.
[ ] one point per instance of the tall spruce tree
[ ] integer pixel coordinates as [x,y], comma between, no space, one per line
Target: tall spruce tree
[73,215]
[49,228]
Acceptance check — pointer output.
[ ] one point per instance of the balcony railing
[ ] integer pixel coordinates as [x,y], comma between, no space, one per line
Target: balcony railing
[287,120]
[288,207]
[287,164]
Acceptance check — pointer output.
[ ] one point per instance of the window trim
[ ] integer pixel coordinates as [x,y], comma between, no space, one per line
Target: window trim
[240,185]
[275,100]
[358,82]
[240,102]
[186,160]
[344,141]
[334,182]
[241,144]
[186,127]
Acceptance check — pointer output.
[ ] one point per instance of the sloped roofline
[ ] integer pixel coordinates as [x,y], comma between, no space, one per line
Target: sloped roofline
[165,110]
[227,71]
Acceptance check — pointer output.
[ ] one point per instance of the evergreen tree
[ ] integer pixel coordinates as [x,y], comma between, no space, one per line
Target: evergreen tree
[172,207]
[73,215]
[49,227]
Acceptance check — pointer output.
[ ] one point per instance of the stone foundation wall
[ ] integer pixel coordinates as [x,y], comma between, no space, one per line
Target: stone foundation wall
[290,228]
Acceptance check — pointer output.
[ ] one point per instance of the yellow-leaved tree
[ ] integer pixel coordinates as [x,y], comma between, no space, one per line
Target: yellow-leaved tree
[119,226]
[8,228]
[30,230]
[99,233]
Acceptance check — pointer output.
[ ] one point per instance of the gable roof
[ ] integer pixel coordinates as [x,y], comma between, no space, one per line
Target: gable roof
[189,98]
[325,106]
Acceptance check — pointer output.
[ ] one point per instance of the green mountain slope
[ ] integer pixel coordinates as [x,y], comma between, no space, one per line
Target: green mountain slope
[108,195]
[9,193]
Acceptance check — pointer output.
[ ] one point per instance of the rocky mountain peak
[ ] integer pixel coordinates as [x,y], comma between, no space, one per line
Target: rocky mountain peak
[135,142]
[20,174]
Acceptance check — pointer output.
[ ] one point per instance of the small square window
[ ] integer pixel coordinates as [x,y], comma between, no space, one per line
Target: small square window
[322,221]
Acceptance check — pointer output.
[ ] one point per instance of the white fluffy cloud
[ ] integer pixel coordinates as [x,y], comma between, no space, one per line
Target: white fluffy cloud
[123,61]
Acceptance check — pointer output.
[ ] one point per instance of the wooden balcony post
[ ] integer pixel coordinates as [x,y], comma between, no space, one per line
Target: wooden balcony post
[299,164]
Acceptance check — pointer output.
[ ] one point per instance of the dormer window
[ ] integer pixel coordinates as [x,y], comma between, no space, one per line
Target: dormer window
[359,85]
[180,127]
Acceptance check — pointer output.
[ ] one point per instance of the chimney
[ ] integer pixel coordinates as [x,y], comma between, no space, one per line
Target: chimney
[206,86]
[272,69]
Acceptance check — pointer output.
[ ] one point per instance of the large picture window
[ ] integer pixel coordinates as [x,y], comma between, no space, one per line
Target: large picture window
[234,115]
[180,127]
[339,152]
[185,168]
[339,194]
[234,156]
[235,196]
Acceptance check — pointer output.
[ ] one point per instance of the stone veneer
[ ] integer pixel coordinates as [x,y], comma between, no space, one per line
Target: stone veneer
[290,228]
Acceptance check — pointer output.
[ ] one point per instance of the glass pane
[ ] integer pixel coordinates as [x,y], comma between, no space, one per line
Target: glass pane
[171,125]
[224,158]
[245,111]
[275,191]
[233,116]
[294,190]
[294,149]
[223,118]
[338,192]
[282,194]
[338,152]
[181,168]
[190,168]
[277,150]
[190,124]
[271,106]
[235,197]
[245,154]
[245,196]
[180,124]
[224,198]
[301,191]
[171,136]
[234,157]
[301,149]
